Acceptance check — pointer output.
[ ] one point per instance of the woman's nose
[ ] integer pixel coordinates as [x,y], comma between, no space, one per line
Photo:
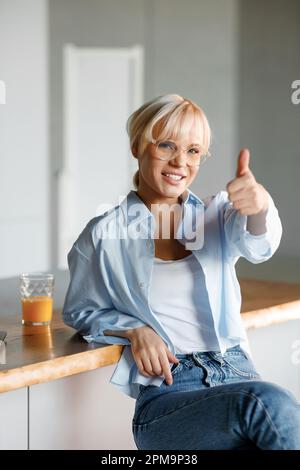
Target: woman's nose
[180,156]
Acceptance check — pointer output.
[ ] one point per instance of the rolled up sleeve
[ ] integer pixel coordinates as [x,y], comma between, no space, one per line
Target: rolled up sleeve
[87,306]
[240,242]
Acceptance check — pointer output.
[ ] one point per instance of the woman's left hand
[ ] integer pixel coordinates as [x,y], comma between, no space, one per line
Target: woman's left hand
[247,195]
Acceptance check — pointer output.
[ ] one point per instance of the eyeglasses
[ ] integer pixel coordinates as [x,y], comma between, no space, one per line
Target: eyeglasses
[167,150]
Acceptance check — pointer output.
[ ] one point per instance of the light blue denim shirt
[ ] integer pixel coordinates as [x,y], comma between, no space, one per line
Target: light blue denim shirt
[111,263]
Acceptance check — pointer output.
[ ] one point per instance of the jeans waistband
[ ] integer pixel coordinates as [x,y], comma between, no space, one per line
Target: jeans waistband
[203,353]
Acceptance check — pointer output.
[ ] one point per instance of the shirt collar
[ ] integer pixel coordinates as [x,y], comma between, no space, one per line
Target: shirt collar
[132,198]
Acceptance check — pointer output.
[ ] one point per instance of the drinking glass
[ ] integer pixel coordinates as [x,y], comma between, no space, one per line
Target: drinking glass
[36,290]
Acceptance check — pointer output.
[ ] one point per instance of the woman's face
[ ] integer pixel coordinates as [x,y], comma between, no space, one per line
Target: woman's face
[153,181]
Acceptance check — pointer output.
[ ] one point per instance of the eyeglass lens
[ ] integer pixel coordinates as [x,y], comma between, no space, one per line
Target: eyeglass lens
[166,150]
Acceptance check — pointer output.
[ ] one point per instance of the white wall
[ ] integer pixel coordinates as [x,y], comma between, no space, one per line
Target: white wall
[234,58]
[269,122]
[191,48]
[24,217]
[193,51]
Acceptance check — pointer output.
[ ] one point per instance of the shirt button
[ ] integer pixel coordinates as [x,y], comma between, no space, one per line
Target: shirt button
[142,284]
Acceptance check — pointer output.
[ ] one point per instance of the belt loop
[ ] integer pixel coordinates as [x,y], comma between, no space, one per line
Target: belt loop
[206,368]
[196,358]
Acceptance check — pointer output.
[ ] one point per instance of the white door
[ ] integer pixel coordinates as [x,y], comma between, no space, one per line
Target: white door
[102,87]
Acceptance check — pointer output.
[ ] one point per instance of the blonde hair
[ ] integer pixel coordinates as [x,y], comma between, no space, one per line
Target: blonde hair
[165,116]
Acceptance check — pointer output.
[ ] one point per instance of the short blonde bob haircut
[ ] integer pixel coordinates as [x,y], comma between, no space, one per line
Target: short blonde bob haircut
[166,116]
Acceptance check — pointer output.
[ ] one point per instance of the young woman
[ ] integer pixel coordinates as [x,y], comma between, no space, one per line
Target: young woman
[156,273]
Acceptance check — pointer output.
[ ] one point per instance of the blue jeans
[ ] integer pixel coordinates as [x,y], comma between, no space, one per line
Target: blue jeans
[216,404]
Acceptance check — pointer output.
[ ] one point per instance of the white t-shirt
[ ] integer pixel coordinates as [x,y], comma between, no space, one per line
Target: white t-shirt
[179,298]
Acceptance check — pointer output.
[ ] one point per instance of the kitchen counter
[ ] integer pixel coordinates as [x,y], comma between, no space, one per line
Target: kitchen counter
[39,354]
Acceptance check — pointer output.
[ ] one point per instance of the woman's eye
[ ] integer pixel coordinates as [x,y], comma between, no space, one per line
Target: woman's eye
[167,144]
[195,151]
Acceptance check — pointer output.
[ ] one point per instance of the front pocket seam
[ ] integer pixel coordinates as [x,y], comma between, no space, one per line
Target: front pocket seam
[245,374]
[177,367]
[182,363]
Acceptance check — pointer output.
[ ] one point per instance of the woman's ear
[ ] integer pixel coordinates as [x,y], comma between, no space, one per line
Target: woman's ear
[134,151]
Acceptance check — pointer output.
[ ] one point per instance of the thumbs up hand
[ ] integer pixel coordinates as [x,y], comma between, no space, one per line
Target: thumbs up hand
[247,195]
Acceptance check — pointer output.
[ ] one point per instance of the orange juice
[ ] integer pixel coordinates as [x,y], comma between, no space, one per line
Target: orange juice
[37,309]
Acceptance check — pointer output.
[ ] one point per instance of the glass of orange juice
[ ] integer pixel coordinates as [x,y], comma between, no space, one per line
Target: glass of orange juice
[36,291]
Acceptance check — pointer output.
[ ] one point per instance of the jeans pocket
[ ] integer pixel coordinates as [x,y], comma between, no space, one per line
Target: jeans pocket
[241,365]
[144,388]
[176,367]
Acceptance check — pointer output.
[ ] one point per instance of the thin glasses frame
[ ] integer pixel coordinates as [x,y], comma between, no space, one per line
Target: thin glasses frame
[157,142]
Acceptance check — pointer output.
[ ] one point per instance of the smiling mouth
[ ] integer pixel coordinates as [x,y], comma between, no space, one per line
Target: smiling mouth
[174,177]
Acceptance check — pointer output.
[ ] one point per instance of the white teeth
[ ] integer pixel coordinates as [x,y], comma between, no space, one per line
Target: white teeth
[174,177]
